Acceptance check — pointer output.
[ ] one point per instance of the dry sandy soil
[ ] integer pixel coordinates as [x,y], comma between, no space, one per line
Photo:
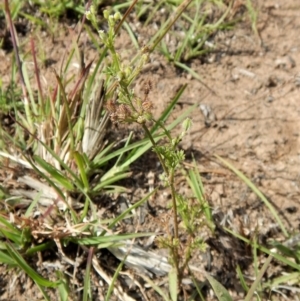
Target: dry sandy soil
[248,113]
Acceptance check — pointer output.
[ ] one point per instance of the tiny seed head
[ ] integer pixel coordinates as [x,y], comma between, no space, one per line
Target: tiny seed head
[147,106]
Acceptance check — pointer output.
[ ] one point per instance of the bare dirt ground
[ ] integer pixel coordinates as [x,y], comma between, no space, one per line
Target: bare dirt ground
[250,115]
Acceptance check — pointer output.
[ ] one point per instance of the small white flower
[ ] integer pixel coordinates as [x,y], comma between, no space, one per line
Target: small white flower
[88,15]
[102,34]
[117,16]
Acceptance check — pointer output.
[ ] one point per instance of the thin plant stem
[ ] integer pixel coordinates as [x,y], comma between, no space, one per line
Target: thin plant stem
[173,193]
[176,236]
[154,145]
[170,175]
[258,278]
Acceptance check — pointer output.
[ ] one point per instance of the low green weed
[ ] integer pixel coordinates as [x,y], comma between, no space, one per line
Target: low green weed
[130,108]
[60,144]
[59,152]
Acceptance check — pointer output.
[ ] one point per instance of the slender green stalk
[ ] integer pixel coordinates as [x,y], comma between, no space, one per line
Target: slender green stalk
[170,175]
[175,222]
[154,145]
[126,107]
[171,180]
[258,278]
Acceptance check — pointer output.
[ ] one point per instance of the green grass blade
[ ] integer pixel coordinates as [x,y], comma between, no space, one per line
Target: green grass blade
[4,258]
[154,286]
[9,226]
[63,288]
[116,274]
[29,210]
[52,184]
[164,116]
[80,163]
[126,144]
[257,192]
[113,175]
[220,291]
[46,297]
[195,182]
[242,279]
[257,281]
[280,258]
[98,162]
[28,270]
[99,240]
[198,288]
[10,232]
[54,173]
[193,73]
[15,8]
[17,239]
[291,278]
[188,35]
[87,279]
[40,248]
[286,251]
[153,11]
[126,212]
[131,35]
[34,20]
[173,284]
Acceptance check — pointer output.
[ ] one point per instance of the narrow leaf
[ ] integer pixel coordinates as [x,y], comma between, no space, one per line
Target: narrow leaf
[173,284]
[257,192]
[28,270]
[220,291]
